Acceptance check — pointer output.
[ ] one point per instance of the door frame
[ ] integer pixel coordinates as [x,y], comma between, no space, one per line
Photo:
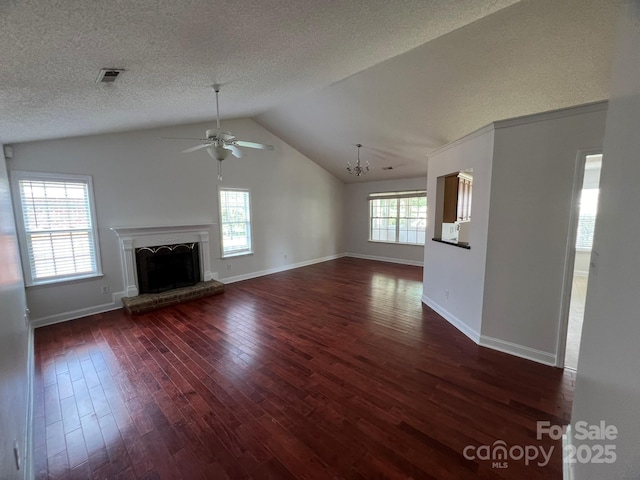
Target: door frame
[570,251]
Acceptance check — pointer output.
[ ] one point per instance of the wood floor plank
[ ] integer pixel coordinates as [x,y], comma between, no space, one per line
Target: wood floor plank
[336,370]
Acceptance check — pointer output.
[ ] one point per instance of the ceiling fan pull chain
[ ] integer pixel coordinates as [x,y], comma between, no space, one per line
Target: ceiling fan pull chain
[220,170]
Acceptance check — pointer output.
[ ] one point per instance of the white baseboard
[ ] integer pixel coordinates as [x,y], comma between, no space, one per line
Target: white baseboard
[82,312]
[452,319]
[386,259]
[116,302]
[117,297]
[521,351]
[282,268]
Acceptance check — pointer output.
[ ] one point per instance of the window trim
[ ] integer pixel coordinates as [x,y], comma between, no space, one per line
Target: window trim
[15,177]
[243,252]
[399,243]
[389,196]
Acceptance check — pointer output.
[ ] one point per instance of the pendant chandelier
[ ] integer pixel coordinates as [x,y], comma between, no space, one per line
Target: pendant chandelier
[358,169]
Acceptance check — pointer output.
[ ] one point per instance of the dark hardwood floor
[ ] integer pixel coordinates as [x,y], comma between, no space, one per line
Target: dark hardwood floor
[335,370]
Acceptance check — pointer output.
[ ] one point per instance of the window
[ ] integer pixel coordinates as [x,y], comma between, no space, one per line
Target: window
[587,218]
[55,215]
[235,222]
[398,217]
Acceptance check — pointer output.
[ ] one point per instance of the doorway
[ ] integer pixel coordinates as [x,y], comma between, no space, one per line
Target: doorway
[587,210]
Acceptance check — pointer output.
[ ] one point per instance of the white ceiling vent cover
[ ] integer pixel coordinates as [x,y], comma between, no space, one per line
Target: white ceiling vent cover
[109,75]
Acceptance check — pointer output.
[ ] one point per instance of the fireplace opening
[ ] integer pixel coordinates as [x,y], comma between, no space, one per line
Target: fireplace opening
[167,267]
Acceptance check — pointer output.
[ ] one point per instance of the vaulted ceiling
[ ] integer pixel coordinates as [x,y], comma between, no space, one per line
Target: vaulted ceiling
[401,77]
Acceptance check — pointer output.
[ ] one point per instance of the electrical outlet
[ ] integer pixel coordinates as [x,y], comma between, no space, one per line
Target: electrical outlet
[286,256]
[228,266]
[105,288]
[446,294]
[16,454]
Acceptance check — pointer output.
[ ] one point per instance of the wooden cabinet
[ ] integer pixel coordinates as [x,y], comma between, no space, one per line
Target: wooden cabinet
[457,198]
[450,206]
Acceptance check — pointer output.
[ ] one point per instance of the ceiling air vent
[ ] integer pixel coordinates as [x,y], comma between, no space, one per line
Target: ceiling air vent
[108,75]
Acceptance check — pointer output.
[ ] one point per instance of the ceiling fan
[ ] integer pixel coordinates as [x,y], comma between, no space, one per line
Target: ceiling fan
[220,144]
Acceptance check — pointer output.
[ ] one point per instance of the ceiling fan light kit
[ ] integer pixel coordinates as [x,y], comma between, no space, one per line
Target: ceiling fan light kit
[220,144]
[358,170]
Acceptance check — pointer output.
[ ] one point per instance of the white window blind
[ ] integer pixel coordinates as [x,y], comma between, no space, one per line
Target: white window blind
[57,226]
[398,217]
[235,221]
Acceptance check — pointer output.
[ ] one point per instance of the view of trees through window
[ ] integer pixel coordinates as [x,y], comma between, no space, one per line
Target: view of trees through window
[235,221]
[398,217]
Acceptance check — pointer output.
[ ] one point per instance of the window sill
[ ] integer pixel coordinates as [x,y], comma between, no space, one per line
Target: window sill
[586,250]
[464,245]
[397,243]
[62,281]
[240,254]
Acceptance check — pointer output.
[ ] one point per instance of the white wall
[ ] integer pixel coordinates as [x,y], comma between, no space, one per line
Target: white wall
[14,341]
[531,193]
[356,208]
[607,386]
[448,267]
[142,180]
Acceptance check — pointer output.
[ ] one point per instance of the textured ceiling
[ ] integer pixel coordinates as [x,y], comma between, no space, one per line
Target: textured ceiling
[532,57]
[322,75]
[267,51]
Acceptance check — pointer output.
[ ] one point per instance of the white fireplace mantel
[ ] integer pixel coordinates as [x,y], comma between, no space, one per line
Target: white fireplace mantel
[137,237]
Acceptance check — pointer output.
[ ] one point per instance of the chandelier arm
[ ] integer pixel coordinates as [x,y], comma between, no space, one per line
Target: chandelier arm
[358,170]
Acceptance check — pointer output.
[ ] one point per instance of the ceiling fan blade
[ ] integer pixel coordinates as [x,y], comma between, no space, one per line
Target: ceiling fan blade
[261,146]
[183,138]
[197,147]
[234,150]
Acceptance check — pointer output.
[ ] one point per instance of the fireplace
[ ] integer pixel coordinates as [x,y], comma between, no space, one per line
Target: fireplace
[165,241]
[166,267]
